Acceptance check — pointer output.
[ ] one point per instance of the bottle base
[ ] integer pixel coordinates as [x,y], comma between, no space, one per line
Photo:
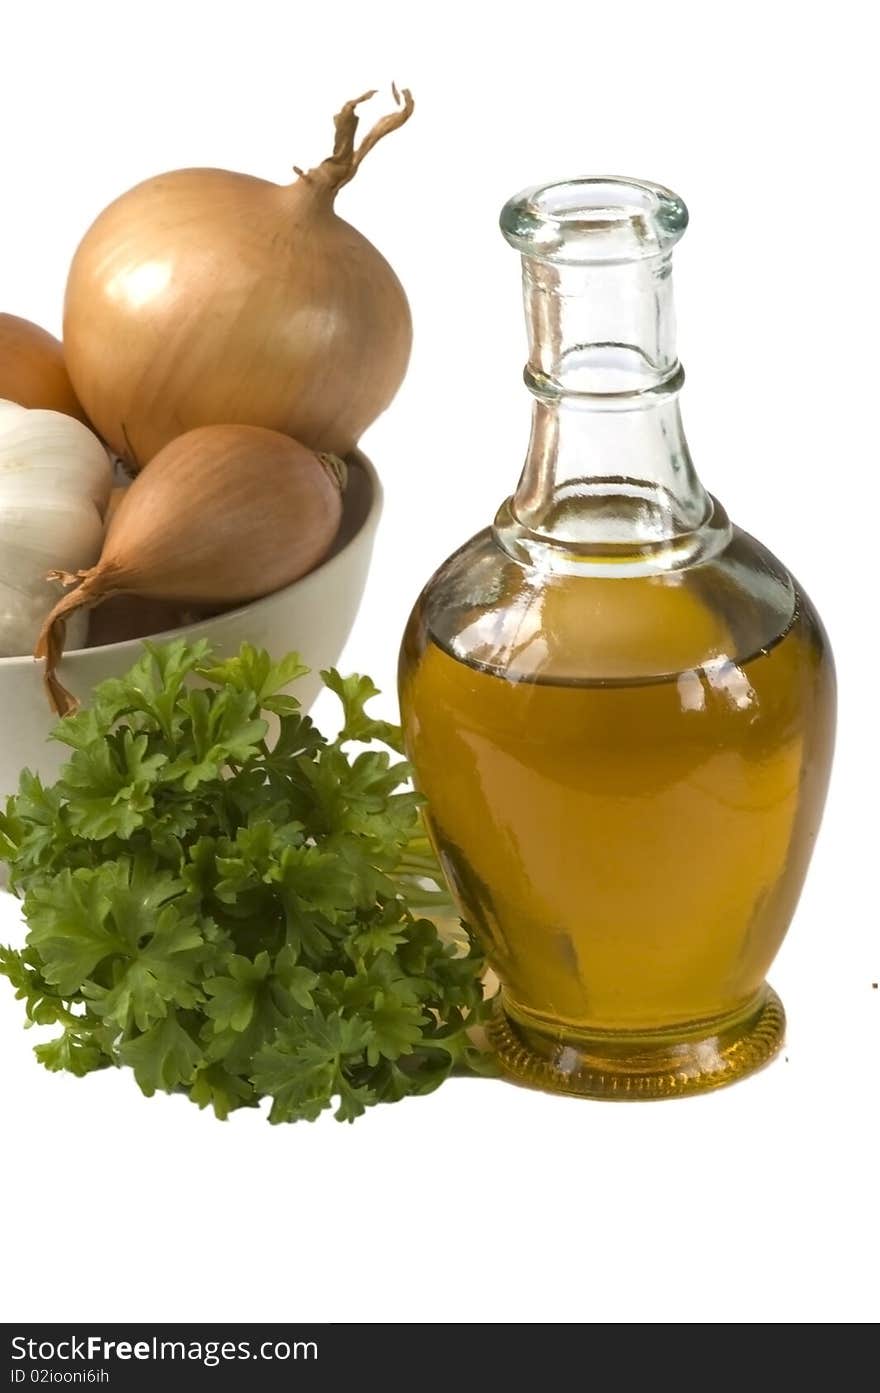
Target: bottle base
[626,1066]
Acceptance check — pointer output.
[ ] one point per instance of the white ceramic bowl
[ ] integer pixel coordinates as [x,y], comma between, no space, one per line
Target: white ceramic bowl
[313,616]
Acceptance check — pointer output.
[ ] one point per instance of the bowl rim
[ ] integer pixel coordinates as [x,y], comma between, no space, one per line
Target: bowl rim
[210,625]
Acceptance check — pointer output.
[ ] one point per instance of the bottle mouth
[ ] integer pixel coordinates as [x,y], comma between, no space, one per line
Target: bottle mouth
[594,220]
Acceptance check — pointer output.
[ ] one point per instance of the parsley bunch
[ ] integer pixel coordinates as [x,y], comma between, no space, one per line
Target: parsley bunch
[231,915]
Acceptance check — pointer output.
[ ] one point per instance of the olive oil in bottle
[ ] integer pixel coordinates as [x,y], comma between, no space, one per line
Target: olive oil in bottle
[619,707]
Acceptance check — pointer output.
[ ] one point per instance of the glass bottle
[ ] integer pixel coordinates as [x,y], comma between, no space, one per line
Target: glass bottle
[619,706]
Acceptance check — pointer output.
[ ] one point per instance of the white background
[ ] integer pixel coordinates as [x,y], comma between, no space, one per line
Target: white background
[486,1202]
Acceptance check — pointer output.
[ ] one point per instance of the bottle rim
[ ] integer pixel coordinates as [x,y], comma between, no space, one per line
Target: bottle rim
[594,220]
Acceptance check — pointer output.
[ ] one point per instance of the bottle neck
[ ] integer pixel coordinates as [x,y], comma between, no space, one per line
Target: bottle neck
[608,476]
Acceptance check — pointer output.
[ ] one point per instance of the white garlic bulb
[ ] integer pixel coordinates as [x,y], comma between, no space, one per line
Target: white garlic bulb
[55,480]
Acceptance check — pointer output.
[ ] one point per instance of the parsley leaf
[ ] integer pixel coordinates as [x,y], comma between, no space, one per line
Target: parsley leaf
[162,1057]
[233,916]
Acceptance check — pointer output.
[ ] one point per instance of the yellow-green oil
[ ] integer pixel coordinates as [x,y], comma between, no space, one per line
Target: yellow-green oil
[629,847]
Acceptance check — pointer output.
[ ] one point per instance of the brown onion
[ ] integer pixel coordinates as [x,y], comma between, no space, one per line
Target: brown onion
[204,296]
[222,515]
[32,371]
[116,496]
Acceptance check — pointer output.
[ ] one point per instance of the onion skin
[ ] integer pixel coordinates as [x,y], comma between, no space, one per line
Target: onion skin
[222,515]
[32,371]
[116,496]
[204,296]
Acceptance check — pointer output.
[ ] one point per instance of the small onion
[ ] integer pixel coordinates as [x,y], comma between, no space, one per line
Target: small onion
[205,296]
[32,371]
[222,515]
